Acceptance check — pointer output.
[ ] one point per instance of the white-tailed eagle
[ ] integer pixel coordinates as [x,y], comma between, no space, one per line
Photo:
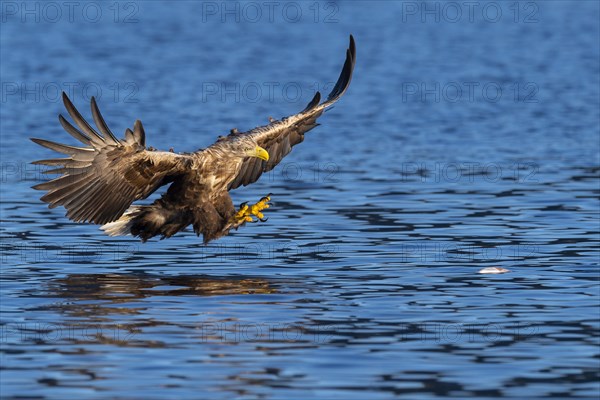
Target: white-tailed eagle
[102,179]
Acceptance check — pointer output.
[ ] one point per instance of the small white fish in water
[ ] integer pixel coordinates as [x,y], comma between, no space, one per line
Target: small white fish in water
[493,270]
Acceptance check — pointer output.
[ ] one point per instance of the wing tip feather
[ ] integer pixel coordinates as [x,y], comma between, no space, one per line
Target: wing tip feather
[345,77]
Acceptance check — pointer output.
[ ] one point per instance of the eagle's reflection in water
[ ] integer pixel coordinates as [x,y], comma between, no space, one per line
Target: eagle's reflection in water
[124,287]
[113,308]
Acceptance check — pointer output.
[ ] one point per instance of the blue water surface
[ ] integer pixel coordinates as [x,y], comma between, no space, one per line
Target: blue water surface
[469,138]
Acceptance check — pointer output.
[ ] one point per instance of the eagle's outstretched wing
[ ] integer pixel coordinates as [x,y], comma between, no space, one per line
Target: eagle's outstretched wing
[279,137]
[103,178]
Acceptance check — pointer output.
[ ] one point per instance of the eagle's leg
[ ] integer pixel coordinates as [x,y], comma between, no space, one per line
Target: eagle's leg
[256,209]
[243,214]
[246,212]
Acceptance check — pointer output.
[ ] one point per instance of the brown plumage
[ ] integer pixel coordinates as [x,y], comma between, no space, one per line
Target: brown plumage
[102,179]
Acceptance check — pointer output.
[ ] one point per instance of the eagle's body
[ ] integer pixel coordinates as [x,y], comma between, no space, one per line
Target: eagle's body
[101,180]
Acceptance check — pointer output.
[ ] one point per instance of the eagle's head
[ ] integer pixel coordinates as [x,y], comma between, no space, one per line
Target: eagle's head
[256,151]
[247,147]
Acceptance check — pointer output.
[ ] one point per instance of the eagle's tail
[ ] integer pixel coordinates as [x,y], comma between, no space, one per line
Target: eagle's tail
[123,225]
[149,221]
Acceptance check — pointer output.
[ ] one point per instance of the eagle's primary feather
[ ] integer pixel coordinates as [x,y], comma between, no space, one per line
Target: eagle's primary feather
[100,180]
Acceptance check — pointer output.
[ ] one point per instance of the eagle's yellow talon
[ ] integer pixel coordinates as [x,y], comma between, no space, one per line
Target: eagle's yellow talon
[246,212]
